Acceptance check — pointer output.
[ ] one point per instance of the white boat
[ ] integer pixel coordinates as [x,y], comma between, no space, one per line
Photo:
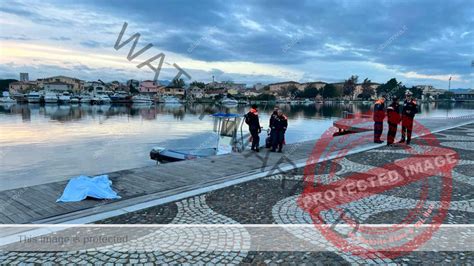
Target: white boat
[6,98]
[75,99]
[141,99]
[33,97]
[229,101]
[229,138]
[170,100]
[103,98]
[50,97]
[85,98]
[64,98]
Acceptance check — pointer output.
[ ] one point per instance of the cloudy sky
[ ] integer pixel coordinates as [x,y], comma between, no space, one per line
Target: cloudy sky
[417,42]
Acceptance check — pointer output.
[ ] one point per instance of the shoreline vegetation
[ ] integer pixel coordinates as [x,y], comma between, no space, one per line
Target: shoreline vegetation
[62,89]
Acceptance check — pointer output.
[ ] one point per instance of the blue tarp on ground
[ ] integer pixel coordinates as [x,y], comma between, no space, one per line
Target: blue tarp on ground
[81,187]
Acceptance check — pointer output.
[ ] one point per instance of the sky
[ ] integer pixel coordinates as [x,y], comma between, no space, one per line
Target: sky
[417,42]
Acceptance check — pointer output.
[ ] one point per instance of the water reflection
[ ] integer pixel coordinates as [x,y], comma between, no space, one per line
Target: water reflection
[66,113]
[45,143]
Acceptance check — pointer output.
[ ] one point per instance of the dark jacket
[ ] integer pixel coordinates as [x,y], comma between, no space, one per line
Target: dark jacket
[251,118]
[379,111]
[410,108]
[280,123]
[272,119]
[393,113]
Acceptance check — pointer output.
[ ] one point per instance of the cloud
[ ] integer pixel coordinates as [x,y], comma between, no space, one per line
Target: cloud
[266,40]
[91,44]
[60,38]
[445,77]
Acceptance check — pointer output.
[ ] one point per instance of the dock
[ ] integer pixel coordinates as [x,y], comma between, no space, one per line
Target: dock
[149,186]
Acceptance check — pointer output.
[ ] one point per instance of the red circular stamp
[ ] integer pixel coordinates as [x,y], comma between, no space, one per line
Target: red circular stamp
[331,195]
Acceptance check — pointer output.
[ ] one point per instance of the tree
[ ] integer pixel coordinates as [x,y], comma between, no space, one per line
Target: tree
[177,83]
[133,90]
[349,86]
[309,92]
[292,90]
[198,84]
[330,91]
[5,83]
[390,88]
[265,97]
[367,90]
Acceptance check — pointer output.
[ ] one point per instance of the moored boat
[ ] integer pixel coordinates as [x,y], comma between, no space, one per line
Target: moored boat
[143,99]
[65,97]
[50,97]
[6,98]
[33,97]
[121,97]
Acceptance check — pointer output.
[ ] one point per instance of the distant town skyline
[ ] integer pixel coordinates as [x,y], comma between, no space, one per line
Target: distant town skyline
[424,42]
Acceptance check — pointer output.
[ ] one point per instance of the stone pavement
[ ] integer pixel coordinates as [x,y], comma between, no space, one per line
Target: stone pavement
[273,200]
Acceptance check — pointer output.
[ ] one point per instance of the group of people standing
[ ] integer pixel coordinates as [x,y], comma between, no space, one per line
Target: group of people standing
[278,125]
[395,115]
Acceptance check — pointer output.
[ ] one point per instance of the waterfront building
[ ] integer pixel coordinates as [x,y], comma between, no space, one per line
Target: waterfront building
[464,95]
[251,93]
[77,84]
[275,88]
[58,87]
[429,92]
[149,87]
[173,91]
[227,85]
[22,87]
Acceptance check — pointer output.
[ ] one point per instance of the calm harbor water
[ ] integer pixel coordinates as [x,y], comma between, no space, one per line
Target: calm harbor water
[40,144]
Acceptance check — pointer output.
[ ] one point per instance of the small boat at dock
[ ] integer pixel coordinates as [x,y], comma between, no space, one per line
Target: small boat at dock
[229,139]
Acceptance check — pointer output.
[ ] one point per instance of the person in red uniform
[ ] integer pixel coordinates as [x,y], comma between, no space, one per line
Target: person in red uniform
[410,109]
[379,116]
[280,123]
[251,118]
[393,119]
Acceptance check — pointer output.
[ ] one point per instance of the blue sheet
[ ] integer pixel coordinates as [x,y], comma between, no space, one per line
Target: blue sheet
[81,187]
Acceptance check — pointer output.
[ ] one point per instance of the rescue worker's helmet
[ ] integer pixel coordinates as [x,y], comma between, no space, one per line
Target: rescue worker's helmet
[408,93]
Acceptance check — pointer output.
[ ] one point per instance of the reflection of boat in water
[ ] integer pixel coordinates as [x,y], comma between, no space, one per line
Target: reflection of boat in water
[227,127]
[6,98]
[33,97]
[74,99]
[168,99]
[85,98]
[229,102]
[141,99]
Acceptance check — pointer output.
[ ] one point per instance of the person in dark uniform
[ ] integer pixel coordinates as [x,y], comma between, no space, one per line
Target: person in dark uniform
[379,116]
[280,123]
[269,141]
[251,118]
[393,119]
[410,108]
